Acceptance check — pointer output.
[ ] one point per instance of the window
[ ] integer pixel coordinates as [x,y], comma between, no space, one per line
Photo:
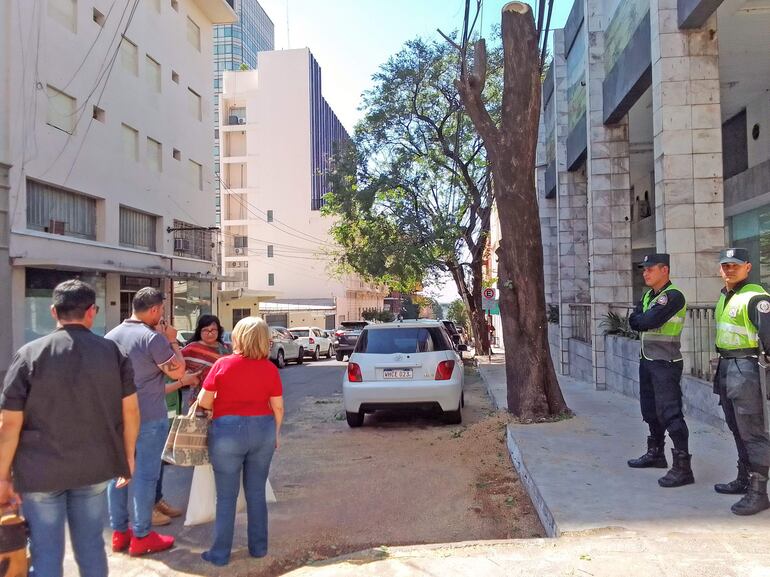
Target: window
[61,110]
[240,242]
[65,12]
[269,216]
[98,17]
[196,174]
[196,109]
[193,34]
[177,154]
[138,229]
[191,241]
[270,251]
[58,211]
[154,155]
[130,142]
[239,314]
[129,56]
[175,76]
[270,279]
[175,5]
[405,340]
[98,114]
[153,73]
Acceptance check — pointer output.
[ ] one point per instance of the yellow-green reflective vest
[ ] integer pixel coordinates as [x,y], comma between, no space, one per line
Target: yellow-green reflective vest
[663,343]
[734,329]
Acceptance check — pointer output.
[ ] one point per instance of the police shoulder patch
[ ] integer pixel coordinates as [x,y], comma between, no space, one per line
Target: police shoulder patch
[733,312]
[662,299]
[763,306]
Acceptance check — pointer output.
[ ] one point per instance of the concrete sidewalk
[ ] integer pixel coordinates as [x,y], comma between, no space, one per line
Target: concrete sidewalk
[611,520]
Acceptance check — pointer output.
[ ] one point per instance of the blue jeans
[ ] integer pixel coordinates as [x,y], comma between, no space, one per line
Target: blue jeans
[83,510]
[149,448]
[240,444]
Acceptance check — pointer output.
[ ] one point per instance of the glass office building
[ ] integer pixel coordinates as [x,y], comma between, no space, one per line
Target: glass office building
[235,47]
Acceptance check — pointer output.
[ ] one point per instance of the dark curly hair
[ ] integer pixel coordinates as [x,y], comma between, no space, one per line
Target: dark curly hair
[204,321]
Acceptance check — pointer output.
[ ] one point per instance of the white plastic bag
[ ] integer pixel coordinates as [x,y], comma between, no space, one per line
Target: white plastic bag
[201,507]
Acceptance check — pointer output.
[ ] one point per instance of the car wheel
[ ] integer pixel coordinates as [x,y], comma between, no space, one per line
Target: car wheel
[355,419]
[454,417]
[340,356]
[300,356]
[316,354]
[330,351]
[280,360]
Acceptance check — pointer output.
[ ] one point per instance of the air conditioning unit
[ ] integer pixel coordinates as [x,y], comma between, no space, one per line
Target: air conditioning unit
[56,226]
[241,121]
[239,250]
[181,245]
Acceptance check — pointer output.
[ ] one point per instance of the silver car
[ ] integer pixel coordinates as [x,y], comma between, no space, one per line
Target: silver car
[284,347]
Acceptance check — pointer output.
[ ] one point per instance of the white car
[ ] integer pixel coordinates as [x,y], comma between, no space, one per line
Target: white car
[314,341]
[285,347]
[404,364]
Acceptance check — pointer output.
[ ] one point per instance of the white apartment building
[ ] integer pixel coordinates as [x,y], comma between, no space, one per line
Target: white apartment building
[277,133]
[106,136]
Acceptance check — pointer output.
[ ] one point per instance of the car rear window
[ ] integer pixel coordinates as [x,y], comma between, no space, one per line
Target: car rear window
[402,340]
[300,332]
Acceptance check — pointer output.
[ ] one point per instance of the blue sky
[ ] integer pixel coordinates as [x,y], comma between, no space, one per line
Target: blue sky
[352,38]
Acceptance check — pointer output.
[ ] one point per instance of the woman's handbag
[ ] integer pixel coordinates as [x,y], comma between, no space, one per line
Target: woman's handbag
[13,545]
[187,442]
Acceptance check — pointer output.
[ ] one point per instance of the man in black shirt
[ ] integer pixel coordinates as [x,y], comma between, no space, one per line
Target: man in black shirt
[70,418]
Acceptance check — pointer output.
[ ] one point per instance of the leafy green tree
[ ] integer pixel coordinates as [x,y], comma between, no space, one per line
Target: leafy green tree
[458,313]
[412,196]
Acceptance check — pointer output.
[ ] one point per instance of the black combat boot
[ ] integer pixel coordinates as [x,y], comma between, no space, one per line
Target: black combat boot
[737,487]
[756,499]
[680,472]
[654,457]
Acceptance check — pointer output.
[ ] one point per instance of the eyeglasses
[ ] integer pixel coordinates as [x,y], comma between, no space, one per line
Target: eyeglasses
[214,330]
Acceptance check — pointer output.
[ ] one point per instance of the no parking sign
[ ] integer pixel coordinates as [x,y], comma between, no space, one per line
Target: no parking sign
[488,300]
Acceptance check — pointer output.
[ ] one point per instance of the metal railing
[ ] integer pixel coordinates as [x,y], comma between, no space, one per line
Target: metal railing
[581,322]
[698,345]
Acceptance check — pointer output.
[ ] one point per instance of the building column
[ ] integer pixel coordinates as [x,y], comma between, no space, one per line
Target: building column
[687,127]
[6,271]
[572,226]
[609,206]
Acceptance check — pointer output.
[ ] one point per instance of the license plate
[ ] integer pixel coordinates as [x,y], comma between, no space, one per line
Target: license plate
[397,374]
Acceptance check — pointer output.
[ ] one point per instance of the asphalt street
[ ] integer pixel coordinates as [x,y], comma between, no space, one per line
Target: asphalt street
[321,378]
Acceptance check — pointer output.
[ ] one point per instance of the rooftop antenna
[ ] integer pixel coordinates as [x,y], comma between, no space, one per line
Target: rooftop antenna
[288,38]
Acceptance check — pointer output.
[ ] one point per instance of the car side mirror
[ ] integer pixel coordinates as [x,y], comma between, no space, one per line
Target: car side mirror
[462,348]
[294,337]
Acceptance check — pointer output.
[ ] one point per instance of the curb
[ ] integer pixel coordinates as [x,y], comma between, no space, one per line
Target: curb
[490,394]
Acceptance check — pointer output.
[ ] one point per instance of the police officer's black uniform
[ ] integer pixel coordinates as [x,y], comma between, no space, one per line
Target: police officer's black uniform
[660,373]
[737,383]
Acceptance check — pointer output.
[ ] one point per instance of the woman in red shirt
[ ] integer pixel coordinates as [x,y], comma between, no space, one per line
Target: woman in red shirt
[245,393]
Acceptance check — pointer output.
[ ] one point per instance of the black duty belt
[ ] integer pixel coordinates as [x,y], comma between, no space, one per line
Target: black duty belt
[738,353]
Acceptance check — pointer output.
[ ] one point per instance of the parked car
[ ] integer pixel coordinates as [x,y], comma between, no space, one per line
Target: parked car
[183,336]
[451,328]
[285,347]
[347,335]
[314,341]
[403,365]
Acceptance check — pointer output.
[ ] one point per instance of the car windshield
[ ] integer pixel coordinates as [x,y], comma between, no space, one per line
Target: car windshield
[300,332]
[402,340]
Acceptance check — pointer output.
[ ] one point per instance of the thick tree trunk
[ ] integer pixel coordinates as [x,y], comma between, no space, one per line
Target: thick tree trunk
[533,389]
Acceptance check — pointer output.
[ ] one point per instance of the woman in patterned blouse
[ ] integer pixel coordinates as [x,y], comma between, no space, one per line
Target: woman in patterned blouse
[203,349]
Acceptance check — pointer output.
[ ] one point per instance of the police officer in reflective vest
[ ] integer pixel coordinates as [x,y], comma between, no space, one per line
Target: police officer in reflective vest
[660,317]
[743,320]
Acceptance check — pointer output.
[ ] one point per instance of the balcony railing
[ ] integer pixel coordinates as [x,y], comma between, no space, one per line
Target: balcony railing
[581,322]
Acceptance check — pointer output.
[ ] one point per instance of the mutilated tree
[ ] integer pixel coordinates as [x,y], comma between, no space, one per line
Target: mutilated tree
[510,143]
[414,193]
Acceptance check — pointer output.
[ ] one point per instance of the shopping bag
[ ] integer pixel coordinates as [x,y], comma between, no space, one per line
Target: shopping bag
[13,545]
[201,508]
[187,441]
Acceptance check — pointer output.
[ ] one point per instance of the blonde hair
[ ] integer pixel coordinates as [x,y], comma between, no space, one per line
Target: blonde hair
[251,338]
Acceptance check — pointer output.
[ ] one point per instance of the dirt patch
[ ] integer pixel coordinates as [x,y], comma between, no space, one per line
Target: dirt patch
[399,480]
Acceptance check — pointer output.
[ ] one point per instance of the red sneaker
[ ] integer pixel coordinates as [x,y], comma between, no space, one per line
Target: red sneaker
[121,540]
[151,543]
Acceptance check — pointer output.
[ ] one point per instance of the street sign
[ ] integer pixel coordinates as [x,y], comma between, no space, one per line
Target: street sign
[489,293]
[492,306]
